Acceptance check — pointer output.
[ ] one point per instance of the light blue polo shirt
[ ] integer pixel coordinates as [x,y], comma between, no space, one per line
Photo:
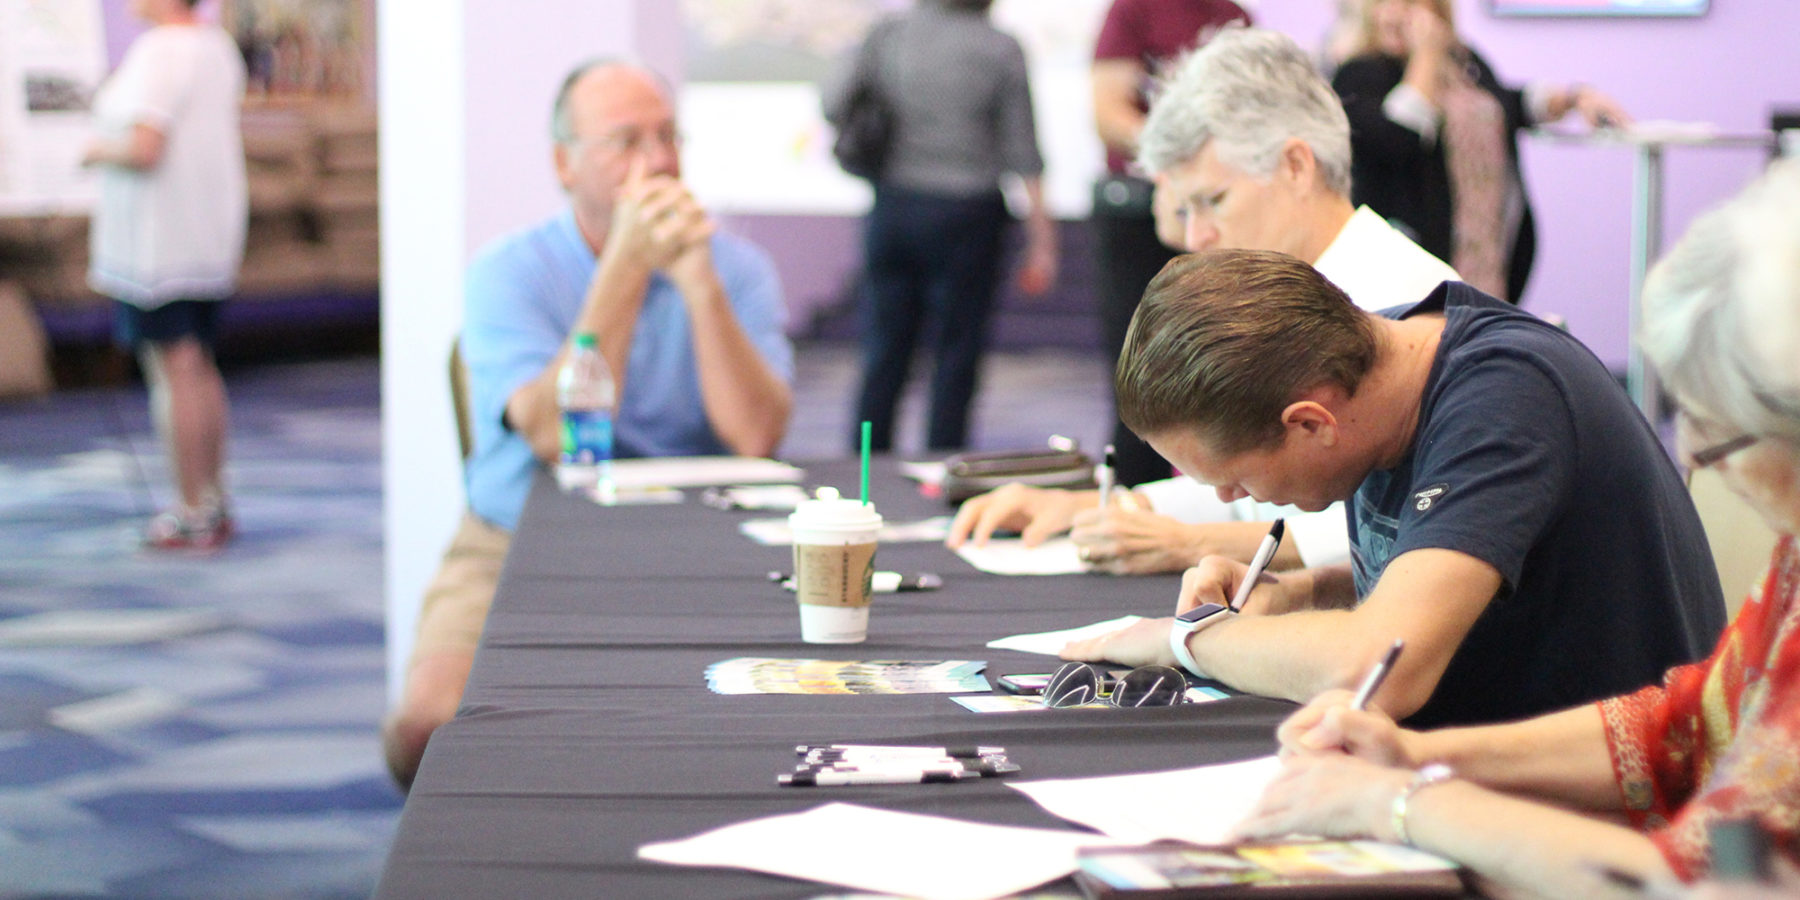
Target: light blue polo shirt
[522,294]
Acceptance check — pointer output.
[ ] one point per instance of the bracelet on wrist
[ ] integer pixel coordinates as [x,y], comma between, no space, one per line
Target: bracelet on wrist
[1435,773]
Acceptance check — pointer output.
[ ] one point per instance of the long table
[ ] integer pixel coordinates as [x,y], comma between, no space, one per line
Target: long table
[587,728]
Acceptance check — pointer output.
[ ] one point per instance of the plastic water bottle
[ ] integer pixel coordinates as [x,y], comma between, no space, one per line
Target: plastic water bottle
[584,392]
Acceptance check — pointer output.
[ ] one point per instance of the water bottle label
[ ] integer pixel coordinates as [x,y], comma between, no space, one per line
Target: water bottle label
[587,436]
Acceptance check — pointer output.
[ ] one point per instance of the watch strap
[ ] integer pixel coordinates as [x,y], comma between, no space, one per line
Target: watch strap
[1178,635]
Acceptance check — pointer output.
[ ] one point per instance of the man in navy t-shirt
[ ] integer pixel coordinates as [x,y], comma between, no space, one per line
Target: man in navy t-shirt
[1513,518]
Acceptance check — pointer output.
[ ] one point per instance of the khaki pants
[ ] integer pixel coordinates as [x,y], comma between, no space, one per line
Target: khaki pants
[460,594]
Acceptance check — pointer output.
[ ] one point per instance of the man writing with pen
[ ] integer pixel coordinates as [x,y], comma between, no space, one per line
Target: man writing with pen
[1512,517]
[1251,150]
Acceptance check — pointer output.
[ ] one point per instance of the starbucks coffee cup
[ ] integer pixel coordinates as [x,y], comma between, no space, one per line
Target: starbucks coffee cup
[834,564]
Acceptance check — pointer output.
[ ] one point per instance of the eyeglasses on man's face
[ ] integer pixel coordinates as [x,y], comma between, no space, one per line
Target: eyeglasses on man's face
[1079,683]
[633,141]
[1714,453]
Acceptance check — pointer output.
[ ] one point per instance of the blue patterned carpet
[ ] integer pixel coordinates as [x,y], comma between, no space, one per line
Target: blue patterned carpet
[197,728]
[181,727]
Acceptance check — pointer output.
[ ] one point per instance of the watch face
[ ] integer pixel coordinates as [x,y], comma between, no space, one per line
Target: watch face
[1202,612]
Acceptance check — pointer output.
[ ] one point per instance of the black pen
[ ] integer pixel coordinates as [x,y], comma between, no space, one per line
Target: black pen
[835,779]
[1377,674]
[987,767]
[882,582]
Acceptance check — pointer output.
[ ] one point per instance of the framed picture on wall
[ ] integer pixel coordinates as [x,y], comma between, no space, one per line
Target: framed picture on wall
[1599,7]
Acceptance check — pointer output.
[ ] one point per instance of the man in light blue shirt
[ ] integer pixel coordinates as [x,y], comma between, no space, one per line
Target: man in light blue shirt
[524,293]
[689,320]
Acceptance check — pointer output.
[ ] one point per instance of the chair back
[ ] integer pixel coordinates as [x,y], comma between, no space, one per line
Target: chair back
[459,400]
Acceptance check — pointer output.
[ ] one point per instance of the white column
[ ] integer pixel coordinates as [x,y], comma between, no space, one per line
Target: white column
[421,101]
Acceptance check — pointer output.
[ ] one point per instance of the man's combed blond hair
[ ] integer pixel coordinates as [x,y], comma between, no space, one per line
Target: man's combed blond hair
[1225,340]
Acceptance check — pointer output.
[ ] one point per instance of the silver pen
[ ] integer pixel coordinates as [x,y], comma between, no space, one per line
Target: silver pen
[1377,674]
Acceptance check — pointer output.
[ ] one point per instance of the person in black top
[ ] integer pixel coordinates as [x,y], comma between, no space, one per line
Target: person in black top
[1434,140]
[1513,518]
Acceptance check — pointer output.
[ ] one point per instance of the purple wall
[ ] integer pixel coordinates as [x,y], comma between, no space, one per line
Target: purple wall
[1727,67]
[121,29]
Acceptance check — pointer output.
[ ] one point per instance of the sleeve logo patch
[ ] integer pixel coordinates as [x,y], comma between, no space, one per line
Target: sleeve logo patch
[1423,500]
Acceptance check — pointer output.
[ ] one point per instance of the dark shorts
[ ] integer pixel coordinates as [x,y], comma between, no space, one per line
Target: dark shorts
[170,322]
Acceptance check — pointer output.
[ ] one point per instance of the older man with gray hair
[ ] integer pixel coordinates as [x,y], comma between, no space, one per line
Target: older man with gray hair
[688,318]
[1251,150]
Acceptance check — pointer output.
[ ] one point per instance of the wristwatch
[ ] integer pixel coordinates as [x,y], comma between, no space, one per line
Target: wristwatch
[1202,616]
[1427,776]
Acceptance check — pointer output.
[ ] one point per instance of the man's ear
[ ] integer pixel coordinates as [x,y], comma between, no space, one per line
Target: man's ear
[1297,165]
[560,158]
[1313,419]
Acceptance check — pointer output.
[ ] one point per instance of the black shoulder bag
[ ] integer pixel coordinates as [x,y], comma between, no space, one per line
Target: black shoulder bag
[866,132]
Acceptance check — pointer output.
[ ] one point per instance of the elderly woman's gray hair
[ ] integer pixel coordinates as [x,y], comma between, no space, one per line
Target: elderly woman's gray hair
[1248,91]
[1722,310]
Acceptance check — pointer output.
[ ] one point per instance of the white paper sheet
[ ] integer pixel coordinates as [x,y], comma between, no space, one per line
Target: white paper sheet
[701,471]
[1051,642]
[1199,804]
[1010,556]
[832,843]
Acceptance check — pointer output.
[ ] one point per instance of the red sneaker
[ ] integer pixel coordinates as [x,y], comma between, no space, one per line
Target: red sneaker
[172,531]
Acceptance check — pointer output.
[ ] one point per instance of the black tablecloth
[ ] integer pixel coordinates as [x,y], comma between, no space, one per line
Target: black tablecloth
[587,728]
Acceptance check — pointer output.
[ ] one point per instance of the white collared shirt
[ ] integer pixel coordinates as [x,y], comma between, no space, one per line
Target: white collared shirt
[1379,268]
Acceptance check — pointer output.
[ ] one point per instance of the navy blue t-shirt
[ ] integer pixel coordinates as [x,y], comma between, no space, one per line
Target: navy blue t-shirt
[1529,457]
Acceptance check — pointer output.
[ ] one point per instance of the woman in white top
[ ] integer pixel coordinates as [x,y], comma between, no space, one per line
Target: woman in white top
[167,238]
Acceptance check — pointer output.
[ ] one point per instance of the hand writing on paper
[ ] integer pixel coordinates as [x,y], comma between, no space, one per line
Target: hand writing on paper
[1138,542]
[1216,580]
[1328,726]
[1036,513]
[1330,796]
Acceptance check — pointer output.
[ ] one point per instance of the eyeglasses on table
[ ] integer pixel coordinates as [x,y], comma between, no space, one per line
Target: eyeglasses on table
[1079,683]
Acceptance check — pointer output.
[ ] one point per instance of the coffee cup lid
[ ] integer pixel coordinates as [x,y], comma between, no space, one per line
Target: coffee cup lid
[832,510]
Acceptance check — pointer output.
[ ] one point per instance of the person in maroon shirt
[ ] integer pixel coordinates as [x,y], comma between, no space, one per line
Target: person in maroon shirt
[1136,40]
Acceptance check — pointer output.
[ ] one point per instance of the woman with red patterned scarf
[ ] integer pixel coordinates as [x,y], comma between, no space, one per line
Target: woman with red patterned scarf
[1634,785]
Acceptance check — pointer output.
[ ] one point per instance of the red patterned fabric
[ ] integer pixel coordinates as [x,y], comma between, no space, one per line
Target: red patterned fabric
[1719,739]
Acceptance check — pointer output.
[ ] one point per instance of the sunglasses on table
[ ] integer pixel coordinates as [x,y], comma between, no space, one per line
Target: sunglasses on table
[1079,683]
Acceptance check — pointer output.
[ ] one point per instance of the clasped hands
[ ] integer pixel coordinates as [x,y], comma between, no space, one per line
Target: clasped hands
[658,223]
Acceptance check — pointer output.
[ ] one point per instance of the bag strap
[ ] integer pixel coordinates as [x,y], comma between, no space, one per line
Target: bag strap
[869,57]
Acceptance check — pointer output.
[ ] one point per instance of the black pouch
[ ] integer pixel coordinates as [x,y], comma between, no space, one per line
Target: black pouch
[1124,196]
[968,474]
